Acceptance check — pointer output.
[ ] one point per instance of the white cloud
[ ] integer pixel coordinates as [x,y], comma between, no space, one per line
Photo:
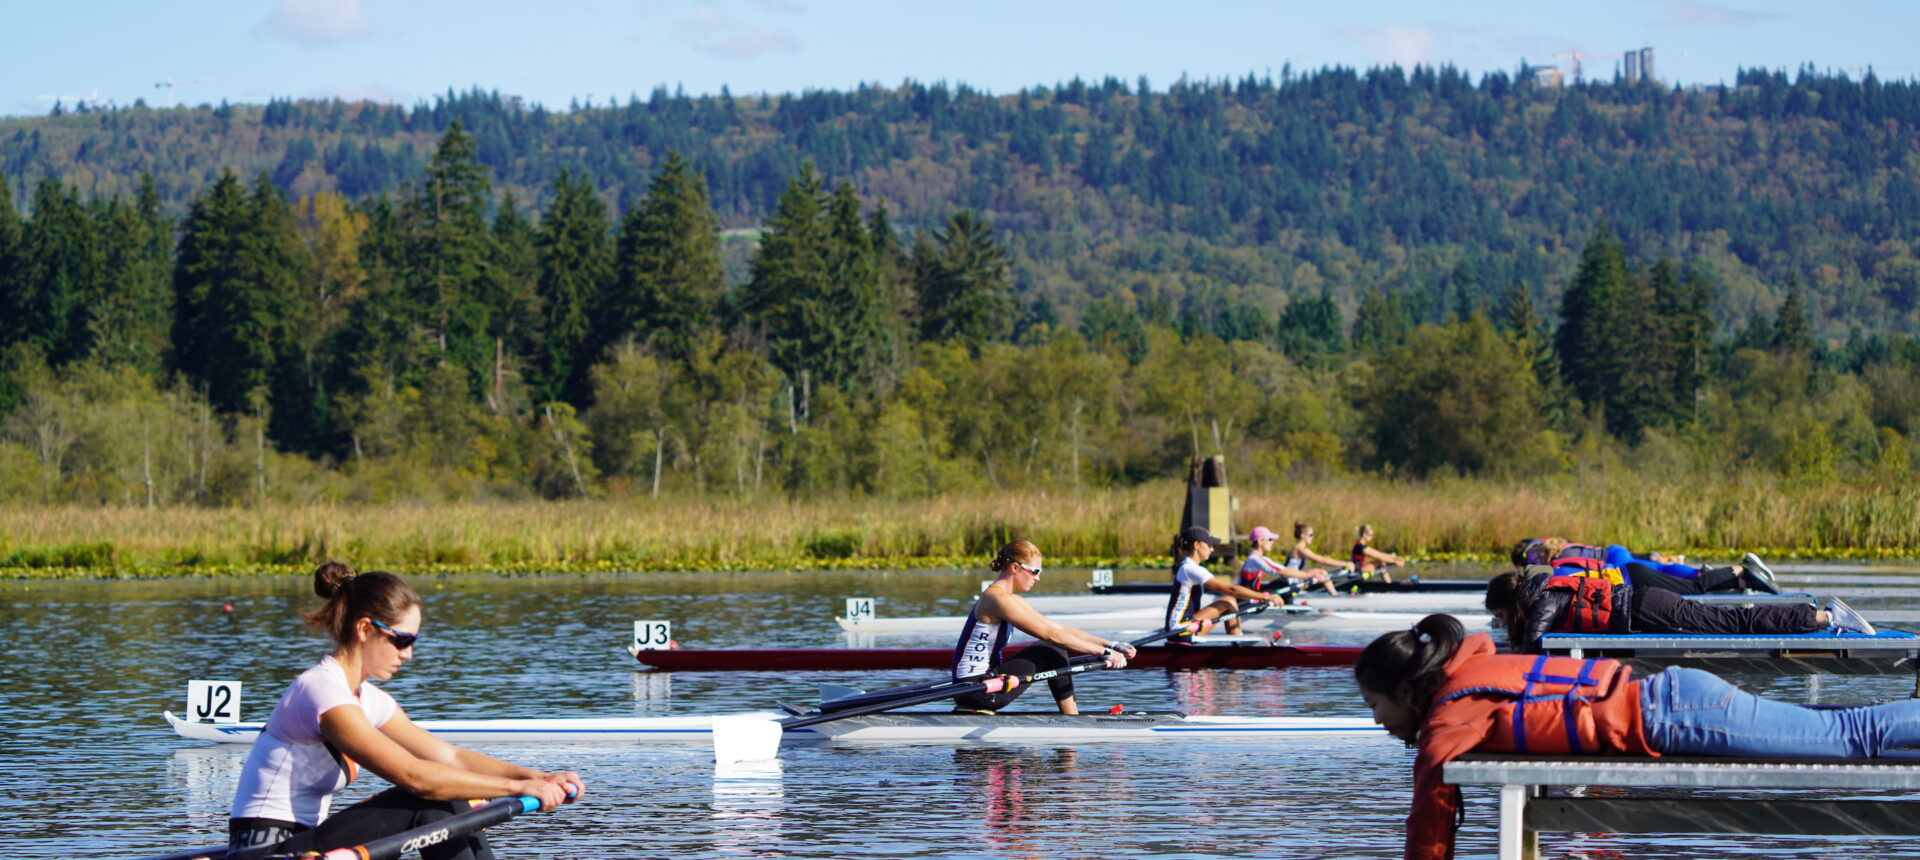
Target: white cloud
[1691,13]
[1394,43]
[725,36]
[317,23]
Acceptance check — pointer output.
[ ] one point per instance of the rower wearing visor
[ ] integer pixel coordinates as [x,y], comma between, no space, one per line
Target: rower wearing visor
[997,613]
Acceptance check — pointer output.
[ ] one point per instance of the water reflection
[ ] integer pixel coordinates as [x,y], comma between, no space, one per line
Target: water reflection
[748,799]
[1020,818]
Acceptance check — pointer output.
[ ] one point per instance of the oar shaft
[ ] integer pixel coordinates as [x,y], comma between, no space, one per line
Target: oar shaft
[452,827]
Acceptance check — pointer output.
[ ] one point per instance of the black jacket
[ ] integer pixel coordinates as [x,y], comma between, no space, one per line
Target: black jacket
[1546,608]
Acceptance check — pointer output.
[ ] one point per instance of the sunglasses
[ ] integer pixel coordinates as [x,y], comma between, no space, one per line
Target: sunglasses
[401,641]
[1033,570]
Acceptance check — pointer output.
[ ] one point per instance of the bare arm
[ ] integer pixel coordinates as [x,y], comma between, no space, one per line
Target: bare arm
[1316,557]
[1015,610]
[1384,557]
[1218,585]
[413,759]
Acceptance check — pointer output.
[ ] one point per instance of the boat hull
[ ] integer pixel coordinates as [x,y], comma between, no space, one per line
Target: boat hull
[1052,604]
[1369,586]
[604,730]
[952,728]
[867,659]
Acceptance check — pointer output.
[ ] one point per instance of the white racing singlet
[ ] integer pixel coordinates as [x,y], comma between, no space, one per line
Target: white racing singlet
[980,645]
[291,774]
[1189,587]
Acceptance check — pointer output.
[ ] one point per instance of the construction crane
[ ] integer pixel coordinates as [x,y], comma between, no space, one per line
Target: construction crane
[169,84]
[1576,56]
[88,102]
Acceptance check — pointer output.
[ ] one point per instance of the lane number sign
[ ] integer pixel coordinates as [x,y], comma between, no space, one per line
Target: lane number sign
[859,609]
[213,701]
[652,635]
[1102,578]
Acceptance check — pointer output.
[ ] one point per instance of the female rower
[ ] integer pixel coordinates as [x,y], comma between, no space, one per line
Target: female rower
[1260,563]
[997,613]
[1191,582]
[1647,570]
[1550,602]
[334,720]
[1449,694]
[1368,560]
[1303,553]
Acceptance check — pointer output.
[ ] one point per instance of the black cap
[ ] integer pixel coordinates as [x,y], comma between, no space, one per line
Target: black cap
[1199,534]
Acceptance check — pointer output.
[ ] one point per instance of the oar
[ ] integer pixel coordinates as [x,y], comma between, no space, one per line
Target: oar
[740,738]
[388,847]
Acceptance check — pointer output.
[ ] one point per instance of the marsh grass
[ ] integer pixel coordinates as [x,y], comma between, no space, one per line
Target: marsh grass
[1455,519]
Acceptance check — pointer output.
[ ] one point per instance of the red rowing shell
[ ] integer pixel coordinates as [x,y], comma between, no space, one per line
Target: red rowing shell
[849,659]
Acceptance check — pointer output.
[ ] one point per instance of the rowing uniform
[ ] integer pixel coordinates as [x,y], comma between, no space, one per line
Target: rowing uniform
[981,650]
[292,773]
[1256,568]
[1189,595]
[1359,556]
[1296,561]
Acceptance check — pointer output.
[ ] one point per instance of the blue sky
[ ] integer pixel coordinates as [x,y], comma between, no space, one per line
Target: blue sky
[247,51]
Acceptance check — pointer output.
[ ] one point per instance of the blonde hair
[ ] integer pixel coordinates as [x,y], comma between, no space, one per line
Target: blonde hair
[1019,552]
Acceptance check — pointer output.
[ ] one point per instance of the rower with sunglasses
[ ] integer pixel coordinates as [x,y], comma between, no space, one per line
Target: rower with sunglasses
[333,720]
[997,613]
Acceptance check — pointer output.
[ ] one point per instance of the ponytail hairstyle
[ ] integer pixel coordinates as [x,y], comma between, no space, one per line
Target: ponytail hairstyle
[1417,658]
[1019,552]
[376,594]
[1363,532]
[1300,528]
[1182,547]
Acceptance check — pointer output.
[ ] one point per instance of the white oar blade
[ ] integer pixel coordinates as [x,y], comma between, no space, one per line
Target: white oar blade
[741,738]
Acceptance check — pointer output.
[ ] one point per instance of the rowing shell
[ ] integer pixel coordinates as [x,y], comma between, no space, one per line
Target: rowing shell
[1308,617]
[888,727]
[933,728]
[1434,602]
[1369,586]
[607,730]
[1238,656]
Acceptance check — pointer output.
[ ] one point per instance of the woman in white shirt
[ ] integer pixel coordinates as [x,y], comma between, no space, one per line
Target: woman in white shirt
[1192,584]
[333,721]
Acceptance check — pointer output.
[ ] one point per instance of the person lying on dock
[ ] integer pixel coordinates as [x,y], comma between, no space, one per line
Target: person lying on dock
[1260,564]
[1543,600]
[997,613]
[1192,582]
[1448,694]
[334,721]
[1369,561]
[1751,573]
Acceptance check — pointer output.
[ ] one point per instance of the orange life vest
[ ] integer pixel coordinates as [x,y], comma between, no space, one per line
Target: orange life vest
[1551,700]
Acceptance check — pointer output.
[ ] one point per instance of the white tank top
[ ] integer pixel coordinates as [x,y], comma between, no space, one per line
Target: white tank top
[292,773]
[980,645]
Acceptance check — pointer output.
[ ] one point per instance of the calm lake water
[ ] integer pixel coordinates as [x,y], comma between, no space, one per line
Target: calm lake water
[97,774]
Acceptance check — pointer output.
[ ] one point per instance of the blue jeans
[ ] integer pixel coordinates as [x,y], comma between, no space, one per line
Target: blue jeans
[1619,556]
[1691,712]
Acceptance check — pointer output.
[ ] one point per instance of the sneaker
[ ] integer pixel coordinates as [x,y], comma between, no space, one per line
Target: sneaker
[1760,575]
[1845,620]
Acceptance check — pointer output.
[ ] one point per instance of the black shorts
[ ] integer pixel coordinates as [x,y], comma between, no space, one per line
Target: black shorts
[383,814]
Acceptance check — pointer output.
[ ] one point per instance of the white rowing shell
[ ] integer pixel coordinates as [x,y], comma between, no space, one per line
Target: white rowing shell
[1439,601]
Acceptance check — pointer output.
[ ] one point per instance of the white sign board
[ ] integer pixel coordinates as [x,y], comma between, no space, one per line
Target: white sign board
[1102,578]
[213,701]
[652,635]
[859,609]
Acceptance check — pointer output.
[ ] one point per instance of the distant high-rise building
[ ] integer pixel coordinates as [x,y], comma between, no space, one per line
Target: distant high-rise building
[1639,66]
[1546,76]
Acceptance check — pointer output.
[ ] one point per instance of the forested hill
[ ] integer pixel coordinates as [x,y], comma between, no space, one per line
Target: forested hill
[1201,198]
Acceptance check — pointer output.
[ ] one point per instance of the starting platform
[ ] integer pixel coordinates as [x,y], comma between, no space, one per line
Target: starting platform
[1527,807]
[1889,652]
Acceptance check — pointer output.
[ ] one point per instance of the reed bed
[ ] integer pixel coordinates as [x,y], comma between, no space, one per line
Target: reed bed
[1457,519]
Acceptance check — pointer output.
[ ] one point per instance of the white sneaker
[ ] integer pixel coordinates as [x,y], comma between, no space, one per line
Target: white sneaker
[1845,620]
[1762,575]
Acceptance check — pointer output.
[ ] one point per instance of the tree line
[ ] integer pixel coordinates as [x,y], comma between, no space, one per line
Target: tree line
[448,341]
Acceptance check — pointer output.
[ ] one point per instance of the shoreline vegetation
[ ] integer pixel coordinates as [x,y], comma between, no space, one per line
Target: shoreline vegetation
[1455,520]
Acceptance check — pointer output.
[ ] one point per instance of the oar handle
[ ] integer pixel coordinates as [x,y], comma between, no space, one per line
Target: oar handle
[451,827]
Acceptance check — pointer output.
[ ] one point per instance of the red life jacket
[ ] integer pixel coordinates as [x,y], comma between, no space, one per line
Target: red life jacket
[1552,698]
[1581,556]
[1592,608]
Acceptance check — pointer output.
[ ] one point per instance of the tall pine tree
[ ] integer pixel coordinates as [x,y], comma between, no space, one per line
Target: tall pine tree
[576,262]
[1592,312]
[963,285]
[448,250]
[668,279]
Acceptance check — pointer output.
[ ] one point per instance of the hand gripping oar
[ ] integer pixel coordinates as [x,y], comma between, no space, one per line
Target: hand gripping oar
[739,738]
[388,847]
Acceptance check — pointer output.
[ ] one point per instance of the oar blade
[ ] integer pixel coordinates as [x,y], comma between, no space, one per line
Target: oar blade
[744,738]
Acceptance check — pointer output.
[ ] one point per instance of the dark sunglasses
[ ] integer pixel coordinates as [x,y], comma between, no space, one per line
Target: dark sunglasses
[401,641]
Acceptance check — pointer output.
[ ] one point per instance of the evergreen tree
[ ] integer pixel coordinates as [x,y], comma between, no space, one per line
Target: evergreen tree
[1792,333]
[13,287]
[668,278]
[789,269]
[576,262]
[133,317]
[963,288]
[1379,323]
[1593,311]
[848,330]
[230,293]
[513,285]
[1310,328]
[448,249]
[59,274]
